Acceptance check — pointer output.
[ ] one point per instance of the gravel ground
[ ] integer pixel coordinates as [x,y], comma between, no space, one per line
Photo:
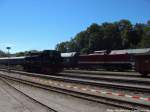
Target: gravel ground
[115,90]
[108,76]
[122,91]
[13,101]
[62,102]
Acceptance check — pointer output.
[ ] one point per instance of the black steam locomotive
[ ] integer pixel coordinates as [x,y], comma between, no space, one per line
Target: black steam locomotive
[47,61]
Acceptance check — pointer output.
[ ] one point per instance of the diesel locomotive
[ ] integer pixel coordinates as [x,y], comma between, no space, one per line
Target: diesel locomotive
[120,61]
[47,62]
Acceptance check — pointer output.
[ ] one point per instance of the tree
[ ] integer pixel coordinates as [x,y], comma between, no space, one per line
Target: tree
[84,51]
[72,46]
[62,47]
[109,36]
[3,54]
[125,27]
[25,53]
[20,54]
[145,41]
[81,40]
[95,37]
[112,39]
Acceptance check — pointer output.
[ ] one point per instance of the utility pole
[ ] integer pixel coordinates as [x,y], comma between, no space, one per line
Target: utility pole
[8,48]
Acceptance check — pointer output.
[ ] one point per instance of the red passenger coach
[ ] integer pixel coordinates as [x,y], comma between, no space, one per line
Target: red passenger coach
[142,63]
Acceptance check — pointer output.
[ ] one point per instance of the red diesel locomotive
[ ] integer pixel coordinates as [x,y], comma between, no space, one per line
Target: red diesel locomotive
[139,62]
[106,61]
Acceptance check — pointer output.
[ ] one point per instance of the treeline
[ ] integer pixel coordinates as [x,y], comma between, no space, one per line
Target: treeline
[109,36]
[3,54]
[25,53]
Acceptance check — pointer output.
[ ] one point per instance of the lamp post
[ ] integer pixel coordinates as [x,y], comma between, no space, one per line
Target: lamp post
[8,48]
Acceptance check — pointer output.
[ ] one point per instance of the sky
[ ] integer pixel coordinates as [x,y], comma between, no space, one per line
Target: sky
[41,24]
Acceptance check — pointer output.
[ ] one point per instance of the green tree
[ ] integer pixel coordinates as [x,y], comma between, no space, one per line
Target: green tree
[72,46]
[3,54]
[95,37]
[84,51]
[137,34]
[25,53]
[145,42]
[109,36]
[81,40]
[62,47]
[112,39]
[125,27]
[19,54]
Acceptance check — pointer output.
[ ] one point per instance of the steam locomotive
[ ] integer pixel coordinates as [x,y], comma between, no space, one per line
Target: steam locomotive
[121,61]
[47,61]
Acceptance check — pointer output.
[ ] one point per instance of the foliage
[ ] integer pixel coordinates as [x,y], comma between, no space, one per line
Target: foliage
[25,53]
[109,36]
[3,54]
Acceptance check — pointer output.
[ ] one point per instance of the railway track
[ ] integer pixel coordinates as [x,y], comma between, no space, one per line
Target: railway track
[128,83]
[65,86]
[111,73]
[122,79]
[48,109]
[61,102]
[109,82]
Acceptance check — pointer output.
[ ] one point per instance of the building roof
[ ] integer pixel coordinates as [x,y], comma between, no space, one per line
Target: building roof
[127,51]
[131,51]
[71,54]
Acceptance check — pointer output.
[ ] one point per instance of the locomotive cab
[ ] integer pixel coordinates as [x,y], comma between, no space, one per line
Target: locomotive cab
[142,63]
[70,60]
[47,61]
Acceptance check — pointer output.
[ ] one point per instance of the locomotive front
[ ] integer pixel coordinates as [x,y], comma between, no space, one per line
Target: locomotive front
[47,62]
[142,64]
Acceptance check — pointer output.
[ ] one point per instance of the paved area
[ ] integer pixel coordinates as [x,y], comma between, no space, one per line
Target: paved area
[12,101]
[62,102]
